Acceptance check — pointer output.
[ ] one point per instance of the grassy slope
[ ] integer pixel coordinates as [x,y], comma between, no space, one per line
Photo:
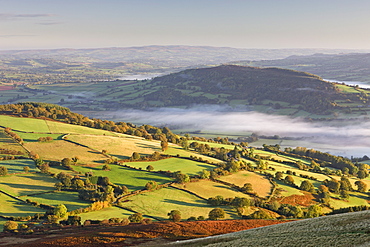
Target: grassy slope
[119,175]
[260,184]
[186,166]
[337,230]
[26,184]
[69,199]
[207,189]
[16,166]
[160,202]
[57,150]
[121,147]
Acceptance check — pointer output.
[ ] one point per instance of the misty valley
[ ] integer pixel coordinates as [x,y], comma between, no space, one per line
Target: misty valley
[144,150]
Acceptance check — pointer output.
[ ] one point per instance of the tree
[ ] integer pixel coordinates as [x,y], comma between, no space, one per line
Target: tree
[136,218]
[205,174]
[182,178]
[362,174]
[151,185]
[58,186]
[345,184]
[164,145]
[289,180]
[44,168]
[279,175]
[216,213]
[135,156]
[175,215]
[60,211]
[10,226]
[149,168]
[334,185]
[344,194]
[313,211]
[361,186]
[106,167]
[307,186]
[247,188]
[26,169]
[3,171]
[240,202]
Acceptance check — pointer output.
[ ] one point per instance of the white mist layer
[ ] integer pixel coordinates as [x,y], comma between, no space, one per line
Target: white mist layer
[345,140]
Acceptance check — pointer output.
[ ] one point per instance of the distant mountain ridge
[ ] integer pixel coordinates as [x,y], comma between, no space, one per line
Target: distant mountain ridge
[345,67]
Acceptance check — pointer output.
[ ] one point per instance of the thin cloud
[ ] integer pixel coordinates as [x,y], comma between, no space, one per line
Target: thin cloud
[49,23]
[12,17]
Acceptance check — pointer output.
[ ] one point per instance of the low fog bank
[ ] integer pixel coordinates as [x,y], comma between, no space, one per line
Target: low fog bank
[345,140]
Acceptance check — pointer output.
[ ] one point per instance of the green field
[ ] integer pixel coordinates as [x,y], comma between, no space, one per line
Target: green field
[32,137]
[12,207]
[160,202]
[186,166]
[8,143]
[207,189]
[177,150]
[69,199]
[24,124]
[119,175]
[106,213]
[16,166]
[27,184]
[59,127]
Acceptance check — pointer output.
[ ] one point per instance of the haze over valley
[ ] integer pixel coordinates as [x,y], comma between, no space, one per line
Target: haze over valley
[184,123]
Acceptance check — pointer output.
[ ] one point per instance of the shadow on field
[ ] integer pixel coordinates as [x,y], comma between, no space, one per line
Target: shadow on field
[171,201]
[29,187]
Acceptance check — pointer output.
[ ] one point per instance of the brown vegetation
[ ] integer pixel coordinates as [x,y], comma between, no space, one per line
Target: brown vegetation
[138,233]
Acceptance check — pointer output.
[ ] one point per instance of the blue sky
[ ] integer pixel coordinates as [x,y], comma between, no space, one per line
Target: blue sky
[45,24]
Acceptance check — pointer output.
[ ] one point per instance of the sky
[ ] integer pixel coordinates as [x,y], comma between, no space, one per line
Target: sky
[266,24]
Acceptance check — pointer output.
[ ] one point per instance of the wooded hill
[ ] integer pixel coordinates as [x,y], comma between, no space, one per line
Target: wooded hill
[249,85]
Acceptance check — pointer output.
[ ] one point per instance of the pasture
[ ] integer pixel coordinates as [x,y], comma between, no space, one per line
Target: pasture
[119,175]
[60,149]
[177,150]
[160,202]
[8,143]
[17,166]
[24,124]
[121,147]
[27,184]
[207,189]
[260,184]
[106,213]
[12,207]
[59,127]
[69,199]
[186,166]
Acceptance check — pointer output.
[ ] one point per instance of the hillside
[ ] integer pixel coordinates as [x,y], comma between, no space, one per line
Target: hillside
[342,67]
[267,90]
[249,85]
[350,229]
[60,169]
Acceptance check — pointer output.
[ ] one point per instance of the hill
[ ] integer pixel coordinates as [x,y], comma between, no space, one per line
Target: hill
[61,169]
[350,229]
[342,67]
[248,85]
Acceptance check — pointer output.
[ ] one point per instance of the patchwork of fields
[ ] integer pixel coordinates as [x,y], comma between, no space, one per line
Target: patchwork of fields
[94,154]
